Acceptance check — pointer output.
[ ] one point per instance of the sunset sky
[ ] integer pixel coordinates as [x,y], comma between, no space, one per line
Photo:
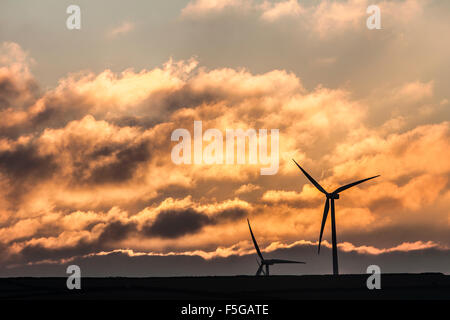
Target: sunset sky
[86,118]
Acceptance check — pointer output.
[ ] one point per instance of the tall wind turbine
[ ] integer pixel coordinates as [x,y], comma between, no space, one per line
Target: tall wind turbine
[330,198]
[266,263]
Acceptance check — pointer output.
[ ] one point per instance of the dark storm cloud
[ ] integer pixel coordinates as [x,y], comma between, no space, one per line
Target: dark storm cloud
[117,162]
[230,214]
[116,231]
[24,167]
[124,166]
[58,111]
[10,92]
[186,97]
[25,163]
[177,223]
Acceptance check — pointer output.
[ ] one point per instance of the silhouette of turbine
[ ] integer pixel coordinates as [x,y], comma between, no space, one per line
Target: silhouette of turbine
[330,198]
[266,263]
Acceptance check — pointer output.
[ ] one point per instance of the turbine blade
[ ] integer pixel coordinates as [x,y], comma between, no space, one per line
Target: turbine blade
[314,182]
[254,241]
[324,220]
[286,261]
[259,270]
[340,189]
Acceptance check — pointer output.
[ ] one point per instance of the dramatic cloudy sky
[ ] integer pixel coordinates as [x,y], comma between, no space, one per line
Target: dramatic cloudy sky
[86,118]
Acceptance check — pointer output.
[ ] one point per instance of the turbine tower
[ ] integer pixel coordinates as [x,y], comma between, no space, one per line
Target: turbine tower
[266,263]
[330,198]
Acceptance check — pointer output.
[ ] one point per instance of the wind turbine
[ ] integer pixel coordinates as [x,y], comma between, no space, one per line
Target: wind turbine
[266,263]
[330,198]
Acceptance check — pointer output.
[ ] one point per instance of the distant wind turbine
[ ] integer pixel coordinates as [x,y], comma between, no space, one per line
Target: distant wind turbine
[263,261]
[334,195]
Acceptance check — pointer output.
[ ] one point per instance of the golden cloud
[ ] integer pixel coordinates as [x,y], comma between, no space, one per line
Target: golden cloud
[85,167]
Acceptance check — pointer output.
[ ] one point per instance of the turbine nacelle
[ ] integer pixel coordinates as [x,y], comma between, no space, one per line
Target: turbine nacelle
[333,196]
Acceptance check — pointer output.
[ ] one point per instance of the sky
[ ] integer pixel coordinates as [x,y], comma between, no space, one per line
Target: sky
[87,175]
